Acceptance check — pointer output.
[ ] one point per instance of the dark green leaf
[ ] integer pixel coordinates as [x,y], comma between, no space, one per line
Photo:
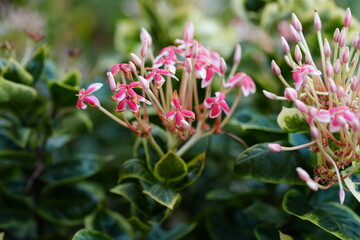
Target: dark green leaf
[266,232]
[68,204]
[36,64]
[25,158]
[16,95]
[77,123]
[163,195]
[259,163]
[179,231]
[110,223]
[265,213]
[133,193]
[86,234]
[332,217]
[170,168]
[63,94]
[291,120]
[72,78]
[353,183]
[75,169]
[12,70]
[135,168]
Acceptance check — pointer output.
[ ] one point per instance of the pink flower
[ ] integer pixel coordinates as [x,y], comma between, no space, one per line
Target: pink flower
[156,74]
[217,105]
[244,81]
[300,73]
[127,97]
[84,96]
[340,117]
[179,114]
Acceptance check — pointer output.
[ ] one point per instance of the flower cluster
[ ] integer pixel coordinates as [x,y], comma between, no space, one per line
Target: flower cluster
[328,100]
[171,84]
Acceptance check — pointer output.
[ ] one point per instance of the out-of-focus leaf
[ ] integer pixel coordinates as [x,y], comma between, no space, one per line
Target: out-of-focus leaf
[135,168]
[353,183]
[291,120]
[265,213]
[76,123]
[284,236]
[12,70]
[332,217]
[36,64]
[75,169]
[19,135]
[266,232]
[259,163]
[86,234]
[138,224]
[16,95]
[170,168]
[72,78]
[133,193]
[68,204]
[110,223]
[176,233]
[163,195]
[22,157]
[63,94]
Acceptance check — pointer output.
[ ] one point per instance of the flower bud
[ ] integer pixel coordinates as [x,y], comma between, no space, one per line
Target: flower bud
[222,65]
[345,55]
[275,68]
[355,40]
[274,147]
[195,49]
[132,67]
[327,48]
[312,185]
[300,105]
[295,34]
[340,91]
[303,174]
[145,37]
[342,196]
[188,65]
[296,23]
[298,55]
[287,60]
[347,18]
[144,83]
[144,49]
[329,70]
[284,45]
[237,54]
[269,95]
[332,85]
[136,59]
[342,38]
[290,94]
[317,21]
[308,58]
[337,66]
[336,35]
[314,132]
[111,81]
[188,33]
[354,83]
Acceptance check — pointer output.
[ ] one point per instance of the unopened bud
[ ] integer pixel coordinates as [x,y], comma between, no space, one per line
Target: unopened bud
[342,196]
[298,55]
[355,40]
[284,45]
[296,23]
[111,80]
[290,93]
[354,83]
[300,105]
[308,58]
[303,174]
[327,48]
[342,38]
[314,132]
[144,49]
[295,34]
[332,85]
[144,83]
[345,55]
[337,66]
[340,91]
[222,65]
[188,33]
[237,54]
[312,185]
[132,67]
[188,65]
[336,36]
[195,49]
[145,37]
[347,18]
[136,59]
[317,21]
[329,70]
[274,147]
[275,68]
[269,95]
[287,60]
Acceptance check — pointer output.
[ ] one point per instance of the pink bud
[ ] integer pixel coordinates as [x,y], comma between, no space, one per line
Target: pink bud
[237,54]
[298,55]
[275,68]
[111,81]
[340,91]
[295,34]
[287,60]
[329,70]
[145,37]
[355,40]
[144,49]
[347,18]
[188,65]
[308,58]
[188,33]
[296,23]
[269,95]
[327,49]
[136,59]
[354,83]
[274,147]
[284,45]
[303,174]
[195,49]
[314,132]
[345,55]
[144,83]
[132,67]
[337,66]
[290,94]
[222,65]
[342,38]
[336,35]
[342,196]
[358,44]
[312,185]
[300,105]
[317,21]
[332,85]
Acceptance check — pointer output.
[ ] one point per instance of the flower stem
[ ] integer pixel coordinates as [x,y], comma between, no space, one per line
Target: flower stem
[113,117]
[154,144]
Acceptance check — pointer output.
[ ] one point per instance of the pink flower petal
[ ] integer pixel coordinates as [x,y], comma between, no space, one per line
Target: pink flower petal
[323,116]
[93,87]
[178,119]
[188,113]
[225,107]
[132,105]
[209,102]
[80,104]
[92,100]
[121,106]
[215,111]
[120,95]
[170,115]
[248,86]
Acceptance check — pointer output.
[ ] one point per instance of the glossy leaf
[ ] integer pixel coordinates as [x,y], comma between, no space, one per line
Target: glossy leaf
[16,95]
[14,71]
[266,232]
[170,168]
[63,94]
[284,236]
[135,168]
[36,64]
[110,223]
[68,204]
[259,163]
[163,195]
[291,120]
[265,212]
[332,217]
[86,234]
[133,193]
[75,169]
[353,183]
[179,231]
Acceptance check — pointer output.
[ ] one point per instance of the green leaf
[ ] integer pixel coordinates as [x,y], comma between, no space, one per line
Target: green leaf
[16,95]
[12,70]
[179,231]
[266,232]
[22,157]
[86,234]
[2,234]
[170,168]
[110,223]
[63,94]
[75,169]
[291,120]
[68,204]
[36,64]
[284,236]
[259,163]
[133,193]
[163,195]
[72,78]
[265,212]
[353,183]
[77,122]
[332,217]
[135,168]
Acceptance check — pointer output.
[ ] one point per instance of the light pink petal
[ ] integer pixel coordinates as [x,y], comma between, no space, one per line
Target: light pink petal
[178,119]
[121,106]
[93,87]
[350,116]
[142,99]
[120,95]
[134,107]
[215,111]
[131,92]
[225,107]
[323,116]
[209,102]
[134,85]
[188,113]
[170,115]
[205,83]
[299,78]
[115,69]
[150,76]
[80,104]
[176,103]
[92,100]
